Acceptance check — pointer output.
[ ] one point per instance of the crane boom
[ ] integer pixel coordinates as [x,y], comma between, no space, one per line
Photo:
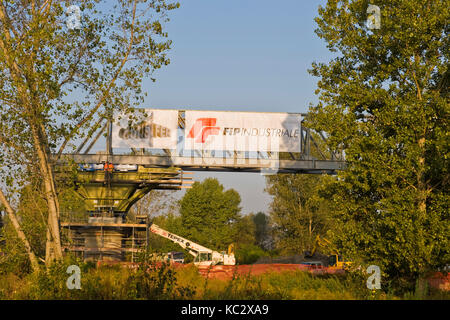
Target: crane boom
[192,247]
[201,254]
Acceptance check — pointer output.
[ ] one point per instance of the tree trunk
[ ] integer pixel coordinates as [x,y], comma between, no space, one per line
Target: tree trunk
[422,194]
[422,187]
[53,250]
[38,135]
[310,233]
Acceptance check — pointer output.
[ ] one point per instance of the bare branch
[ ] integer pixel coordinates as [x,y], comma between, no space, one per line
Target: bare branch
[106,92]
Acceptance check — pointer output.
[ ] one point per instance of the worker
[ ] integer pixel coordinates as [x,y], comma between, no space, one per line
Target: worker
[108,168]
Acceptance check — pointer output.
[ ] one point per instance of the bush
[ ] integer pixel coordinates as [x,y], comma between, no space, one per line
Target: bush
[147,281]
[249,253]
[158,281]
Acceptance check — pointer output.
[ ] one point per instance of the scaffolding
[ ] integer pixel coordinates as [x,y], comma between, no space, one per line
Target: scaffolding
[101,232]
[106,238]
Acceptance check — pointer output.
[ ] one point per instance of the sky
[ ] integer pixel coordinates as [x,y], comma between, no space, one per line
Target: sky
[240,55]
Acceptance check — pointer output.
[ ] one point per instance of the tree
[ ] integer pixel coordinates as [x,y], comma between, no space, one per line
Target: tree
[297,212]
[384,100]
[172,223]
[262,230]
[60,74]
[209,214]
[19,232]
[245,230]
[153,204]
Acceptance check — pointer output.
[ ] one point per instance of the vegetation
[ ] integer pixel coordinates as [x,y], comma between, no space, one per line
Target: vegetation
[297,213]
[209,214]
[161,282]
[32,214]
[263,231]
[60,80]
[384,102]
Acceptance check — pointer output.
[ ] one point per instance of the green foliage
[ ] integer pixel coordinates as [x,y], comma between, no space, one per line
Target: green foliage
[72,206]
[102,64]
[160,281]
[58,82]
[33,215]
[297,211]
[249,253]
[147,281]
[157,282]
[263,235]
[209,214]
[32,212]
[384,101]
[13,257]
[245,231]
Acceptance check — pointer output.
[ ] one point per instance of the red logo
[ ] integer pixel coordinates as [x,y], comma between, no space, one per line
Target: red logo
[202,128]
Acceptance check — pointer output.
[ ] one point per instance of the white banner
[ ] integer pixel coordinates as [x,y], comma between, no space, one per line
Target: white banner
[158,129]
[242,131]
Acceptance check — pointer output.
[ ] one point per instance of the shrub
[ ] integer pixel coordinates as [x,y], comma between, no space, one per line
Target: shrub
[249,253]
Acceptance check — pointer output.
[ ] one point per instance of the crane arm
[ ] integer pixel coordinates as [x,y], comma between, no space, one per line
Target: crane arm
[193,248]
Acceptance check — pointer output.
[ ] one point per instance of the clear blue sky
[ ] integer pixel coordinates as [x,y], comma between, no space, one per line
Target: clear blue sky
[243,55]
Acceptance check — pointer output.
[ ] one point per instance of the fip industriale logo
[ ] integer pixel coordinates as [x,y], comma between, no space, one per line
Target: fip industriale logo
[202,128]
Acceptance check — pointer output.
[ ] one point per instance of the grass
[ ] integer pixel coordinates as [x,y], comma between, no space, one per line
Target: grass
[165,282]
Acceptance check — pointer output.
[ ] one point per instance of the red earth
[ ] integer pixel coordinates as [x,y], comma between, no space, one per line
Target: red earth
[227,272]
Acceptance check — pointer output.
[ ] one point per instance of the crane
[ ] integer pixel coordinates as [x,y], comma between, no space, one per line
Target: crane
[202,255]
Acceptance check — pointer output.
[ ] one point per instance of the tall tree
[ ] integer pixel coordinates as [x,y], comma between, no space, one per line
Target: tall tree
[297,213]
[263,236]
[245,231]
[209,214]
[63,66]
[384,100]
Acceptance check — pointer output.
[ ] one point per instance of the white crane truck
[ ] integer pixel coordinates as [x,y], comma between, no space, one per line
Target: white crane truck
[202,255]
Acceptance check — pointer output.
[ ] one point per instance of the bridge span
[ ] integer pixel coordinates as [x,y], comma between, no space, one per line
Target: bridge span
[111,180]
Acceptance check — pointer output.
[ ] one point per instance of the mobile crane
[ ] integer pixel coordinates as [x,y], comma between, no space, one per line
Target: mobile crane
[202,255]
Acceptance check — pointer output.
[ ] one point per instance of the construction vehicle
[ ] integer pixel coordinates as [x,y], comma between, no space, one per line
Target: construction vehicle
[335,259]
[174,256]
[202,255]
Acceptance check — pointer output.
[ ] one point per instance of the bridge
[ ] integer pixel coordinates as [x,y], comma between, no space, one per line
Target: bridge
[110,192]
[313,156]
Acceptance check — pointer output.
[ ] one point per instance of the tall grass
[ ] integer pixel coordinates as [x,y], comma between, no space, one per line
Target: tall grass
[150,281]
